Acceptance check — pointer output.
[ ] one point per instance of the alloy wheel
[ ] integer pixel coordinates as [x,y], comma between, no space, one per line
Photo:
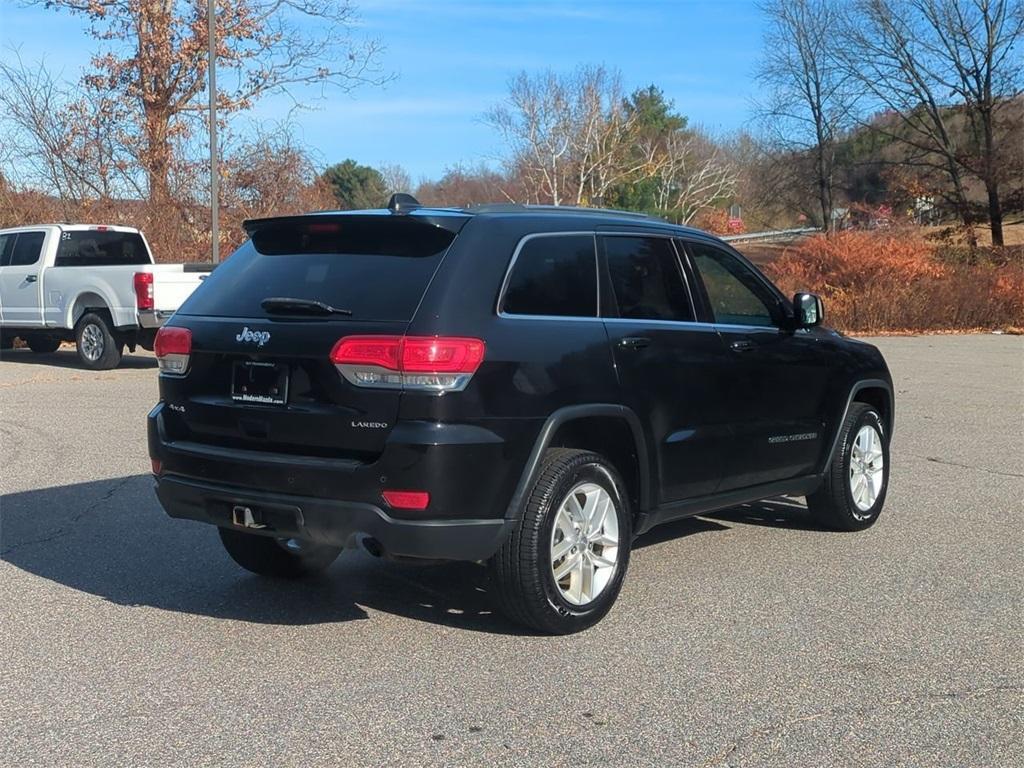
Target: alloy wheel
[585,543]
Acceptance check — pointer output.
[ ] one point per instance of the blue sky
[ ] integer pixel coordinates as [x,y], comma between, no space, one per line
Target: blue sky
[453,58]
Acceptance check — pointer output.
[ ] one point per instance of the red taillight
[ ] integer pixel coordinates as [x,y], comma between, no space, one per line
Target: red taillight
[144,290]
[441,354]
[418,500]
[173,346]
[382,351]
[436,363]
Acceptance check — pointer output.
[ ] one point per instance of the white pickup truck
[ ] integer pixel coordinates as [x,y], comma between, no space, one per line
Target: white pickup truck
[92,284]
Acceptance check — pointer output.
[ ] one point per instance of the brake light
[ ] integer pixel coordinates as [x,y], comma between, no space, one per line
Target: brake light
[144,290]
[431,363]
[418,500]
[173,346]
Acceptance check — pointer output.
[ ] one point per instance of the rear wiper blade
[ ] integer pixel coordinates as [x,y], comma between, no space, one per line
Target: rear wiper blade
[286,305]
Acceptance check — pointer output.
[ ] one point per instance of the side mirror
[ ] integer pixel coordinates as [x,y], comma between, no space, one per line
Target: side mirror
[808,310]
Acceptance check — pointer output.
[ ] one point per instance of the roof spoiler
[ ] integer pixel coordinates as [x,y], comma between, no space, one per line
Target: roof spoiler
[453,222]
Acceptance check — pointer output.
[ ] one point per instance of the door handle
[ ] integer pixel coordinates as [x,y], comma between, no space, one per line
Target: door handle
[634,342]
[31,278]
[742,345]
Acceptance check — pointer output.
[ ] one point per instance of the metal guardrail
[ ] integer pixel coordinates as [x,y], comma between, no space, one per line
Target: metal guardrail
[774,234]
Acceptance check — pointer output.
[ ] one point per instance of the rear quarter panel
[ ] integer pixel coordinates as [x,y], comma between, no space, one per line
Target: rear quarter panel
[532,367]
[69,291]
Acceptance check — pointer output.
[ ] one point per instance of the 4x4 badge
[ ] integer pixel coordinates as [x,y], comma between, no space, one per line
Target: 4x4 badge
[257,337]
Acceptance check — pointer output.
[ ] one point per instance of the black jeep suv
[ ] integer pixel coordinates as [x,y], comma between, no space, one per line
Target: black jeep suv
[527,386]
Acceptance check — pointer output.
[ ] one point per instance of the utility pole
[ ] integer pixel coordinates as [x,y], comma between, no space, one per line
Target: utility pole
[211,22]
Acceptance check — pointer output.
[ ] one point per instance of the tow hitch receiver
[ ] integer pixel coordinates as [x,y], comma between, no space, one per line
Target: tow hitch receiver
[246,518]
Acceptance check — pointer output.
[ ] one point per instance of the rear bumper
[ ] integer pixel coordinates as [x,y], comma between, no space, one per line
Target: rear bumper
[470,472]
[153,318]
[331,522]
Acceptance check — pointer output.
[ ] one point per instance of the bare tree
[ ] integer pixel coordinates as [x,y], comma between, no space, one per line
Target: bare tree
[692,175]
[808,100]
[154,61]
[570,137]
[396,178]
[48,145]
[944,69]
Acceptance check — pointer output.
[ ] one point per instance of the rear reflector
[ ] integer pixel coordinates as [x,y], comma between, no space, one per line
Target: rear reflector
[144,290]
[158,466]
[173,346]
[432,363]
[418,500]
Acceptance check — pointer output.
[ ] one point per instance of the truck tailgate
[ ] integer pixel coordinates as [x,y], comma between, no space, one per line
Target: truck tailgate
[172,284]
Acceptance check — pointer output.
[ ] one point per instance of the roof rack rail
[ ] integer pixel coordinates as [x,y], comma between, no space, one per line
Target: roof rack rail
[521,208]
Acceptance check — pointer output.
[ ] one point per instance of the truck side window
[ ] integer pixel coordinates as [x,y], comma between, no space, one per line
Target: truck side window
[736,296]
[27,248]
[553,275]
[646,280]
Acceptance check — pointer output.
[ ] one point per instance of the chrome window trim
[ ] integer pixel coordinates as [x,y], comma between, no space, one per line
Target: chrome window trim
[680,253]
[515,257]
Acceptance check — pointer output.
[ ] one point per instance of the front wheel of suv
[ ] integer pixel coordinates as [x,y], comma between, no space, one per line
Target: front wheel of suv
[279,558]
[853,492]
[562,567]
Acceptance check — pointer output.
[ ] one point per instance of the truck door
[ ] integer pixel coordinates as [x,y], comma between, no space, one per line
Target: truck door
[20,280]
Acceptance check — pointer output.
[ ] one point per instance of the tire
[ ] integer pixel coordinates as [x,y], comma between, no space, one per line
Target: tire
[522,571]
[844,502]
[97,348]
[6,342]
[43,345]
[266,556]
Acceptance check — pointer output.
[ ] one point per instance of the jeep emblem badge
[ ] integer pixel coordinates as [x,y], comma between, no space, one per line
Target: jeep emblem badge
[259,338]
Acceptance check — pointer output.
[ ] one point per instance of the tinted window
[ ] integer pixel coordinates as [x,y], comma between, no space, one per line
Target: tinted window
[27,248]
[737,296]
[378,268]
[6,246]
[92,248]
[553,275]
[646,280]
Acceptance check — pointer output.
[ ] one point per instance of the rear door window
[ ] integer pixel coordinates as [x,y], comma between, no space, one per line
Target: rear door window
[553,275]
[27,248]
[376,268]
[646,279]
[93,248]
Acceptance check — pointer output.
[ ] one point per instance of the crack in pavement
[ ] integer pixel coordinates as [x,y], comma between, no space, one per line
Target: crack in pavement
[63,531]
[937,460]
[777,728]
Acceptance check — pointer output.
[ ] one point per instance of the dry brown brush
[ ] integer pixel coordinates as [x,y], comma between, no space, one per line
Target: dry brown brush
[895,281]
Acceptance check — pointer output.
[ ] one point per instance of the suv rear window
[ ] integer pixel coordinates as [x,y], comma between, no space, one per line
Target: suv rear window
[553,275]
[378,269]
[92,248]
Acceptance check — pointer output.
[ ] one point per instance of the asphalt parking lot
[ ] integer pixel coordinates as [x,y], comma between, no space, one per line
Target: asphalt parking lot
[747,638]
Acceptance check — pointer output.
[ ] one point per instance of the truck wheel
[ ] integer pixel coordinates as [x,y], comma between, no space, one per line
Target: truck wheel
[853,492]
[280,558]
[563,565]
[97,347]
[43,345]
